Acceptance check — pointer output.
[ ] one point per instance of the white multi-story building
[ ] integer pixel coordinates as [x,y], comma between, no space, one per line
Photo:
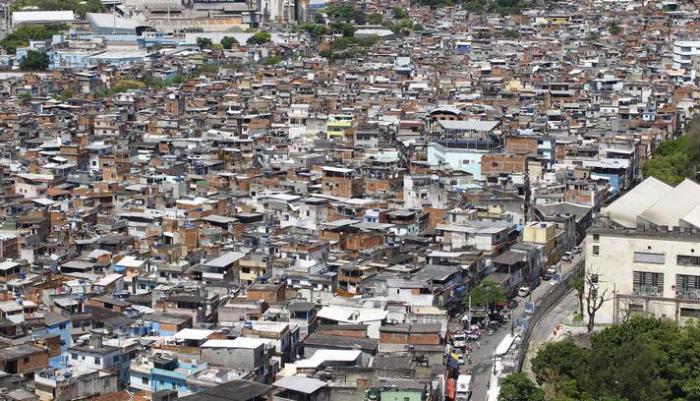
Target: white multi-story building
[645,271]
[644,254]
[684,51]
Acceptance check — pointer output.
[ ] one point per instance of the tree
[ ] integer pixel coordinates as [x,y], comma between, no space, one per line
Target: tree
[344,28]
[66,94]
[517,387]
[375,19]
[259,38]
[487,294]
[316,31]
[594,300]
[345,12]
[204,43]
[399,13]
[511,34]
[272,60]
[21,36]
[35,61]
[228,41]
[641,359]
[559,362]
[579,285]
[124,85]
[80,7]
[614,29]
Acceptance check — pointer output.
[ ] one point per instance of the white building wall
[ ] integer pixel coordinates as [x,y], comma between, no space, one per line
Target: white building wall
[615,265]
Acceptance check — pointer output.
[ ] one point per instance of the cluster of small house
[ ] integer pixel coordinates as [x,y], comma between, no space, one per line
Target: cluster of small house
[305,230]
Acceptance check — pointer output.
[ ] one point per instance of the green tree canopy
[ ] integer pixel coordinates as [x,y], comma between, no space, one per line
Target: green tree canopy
[259,38]
[345,28]
[642,359]
[228,41]
[517,387]
[80,7]
[124,85]
[375,19]
[676,159]
[35,61]
[399,13]
[316,31]
[559,362]
[614,29]
[204,43]
[487,293]
[345,12]
[22,35]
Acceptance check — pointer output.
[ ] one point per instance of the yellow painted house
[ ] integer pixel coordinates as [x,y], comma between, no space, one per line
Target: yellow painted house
[252,268]
[339,125]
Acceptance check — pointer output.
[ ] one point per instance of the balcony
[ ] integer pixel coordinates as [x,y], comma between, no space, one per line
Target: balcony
[649,291]
[689,294]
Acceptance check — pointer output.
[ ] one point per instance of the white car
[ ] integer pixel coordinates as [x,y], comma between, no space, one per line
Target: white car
[523,291]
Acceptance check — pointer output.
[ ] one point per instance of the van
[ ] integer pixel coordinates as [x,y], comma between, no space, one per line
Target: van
[464,388]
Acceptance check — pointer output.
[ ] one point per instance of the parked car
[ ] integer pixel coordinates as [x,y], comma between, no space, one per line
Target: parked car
[549,273]
[459,340]
[523,291]
[512,304]
[578,250]
[568,257]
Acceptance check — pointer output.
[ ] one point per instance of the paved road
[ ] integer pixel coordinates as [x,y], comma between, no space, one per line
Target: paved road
[481,365]
[481,360]
[543,331]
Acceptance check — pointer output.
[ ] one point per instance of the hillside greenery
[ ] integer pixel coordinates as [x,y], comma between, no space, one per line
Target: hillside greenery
[642,359]
[80,7]
[22,35]
[35,61]
[676,159]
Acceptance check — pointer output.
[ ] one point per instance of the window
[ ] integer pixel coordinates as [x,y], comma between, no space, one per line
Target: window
[245,270]
[648,284]
[688,260]
[74,357]
[635,309]
[98,361]
[690,313]
[596,250]
[687,286]
[144,380]
[115,358]
[61,326]
[25,359]
[596,237]
[647,257]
